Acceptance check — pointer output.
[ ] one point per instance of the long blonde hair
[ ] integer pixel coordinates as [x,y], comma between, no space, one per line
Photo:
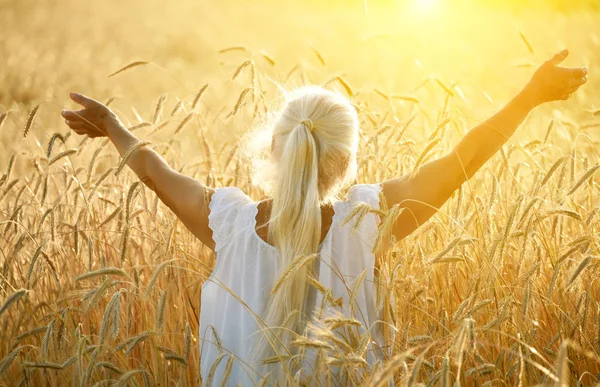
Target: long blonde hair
[314,145]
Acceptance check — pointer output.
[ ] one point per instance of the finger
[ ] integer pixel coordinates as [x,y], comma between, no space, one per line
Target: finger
[83,100]
[76,116]
[81,127]
[559,57]
[80,131]
[565,96]
[577,82]
[73,115]
[84,130]
[577,72]
[78,126]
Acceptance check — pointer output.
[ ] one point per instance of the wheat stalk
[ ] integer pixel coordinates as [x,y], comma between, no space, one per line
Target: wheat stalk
[187,341]
[160,313]
[297,264]
[55,136]
[126,377]
[430,145]
[553,169]
[128,154]
[129,66]
[213,369]
[139,126]
[342,82]
[227,372]
[177,108]
[198,96]
[318,55]
[234,48]
[110,217]
[14,297]
[8,360]
[30,119]
[311,343]
[241,68]
[240,100]
[155,276]
[101,272]
[3,118]
[582,265]
[110,366]
[61,155]
[382,377]
[44,365]
[583,178]
[159,108]
[524,39]
[355,288]
[184,122]
[336,322]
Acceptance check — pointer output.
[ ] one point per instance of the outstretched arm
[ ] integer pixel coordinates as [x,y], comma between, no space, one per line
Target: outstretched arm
[186,197]
[425,190]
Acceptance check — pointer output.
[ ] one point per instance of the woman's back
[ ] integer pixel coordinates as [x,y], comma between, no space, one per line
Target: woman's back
[263,216]
[237,292]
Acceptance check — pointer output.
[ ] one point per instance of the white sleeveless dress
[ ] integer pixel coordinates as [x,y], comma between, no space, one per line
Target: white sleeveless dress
[245,271]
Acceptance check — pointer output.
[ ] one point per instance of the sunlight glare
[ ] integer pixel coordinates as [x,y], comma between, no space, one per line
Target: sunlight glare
[424,5]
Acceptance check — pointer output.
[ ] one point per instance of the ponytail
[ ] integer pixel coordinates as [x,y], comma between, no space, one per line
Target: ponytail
[295,230]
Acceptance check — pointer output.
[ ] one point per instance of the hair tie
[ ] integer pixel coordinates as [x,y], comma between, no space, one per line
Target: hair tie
[309,124]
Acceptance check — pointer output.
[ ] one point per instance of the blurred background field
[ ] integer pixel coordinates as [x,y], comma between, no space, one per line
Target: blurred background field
[501,287]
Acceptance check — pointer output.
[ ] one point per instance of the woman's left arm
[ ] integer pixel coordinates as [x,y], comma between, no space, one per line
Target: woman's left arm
[186,197]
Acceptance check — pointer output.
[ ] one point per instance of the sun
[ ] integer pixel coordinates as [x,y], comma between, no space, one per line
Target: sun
[425,5]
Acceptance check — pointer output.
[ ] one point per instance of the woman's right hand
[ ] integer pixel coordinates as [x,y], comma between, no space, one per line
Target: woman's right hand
[93,120]
[550,82]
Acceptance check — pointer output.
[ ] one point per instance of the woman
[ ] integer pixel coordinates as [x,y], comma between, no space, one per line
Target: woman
[272,255]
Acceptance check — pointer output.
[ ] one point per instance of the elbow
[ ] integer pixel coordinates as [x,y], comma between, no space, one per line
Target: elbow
[469,171]
[467,175]
[465,164]
[459,180]
[148,182]
[460,172]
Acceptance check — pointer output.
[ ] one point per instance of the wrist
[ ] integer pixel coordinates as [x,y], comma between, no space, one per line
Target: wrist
[528,98]
[113,125]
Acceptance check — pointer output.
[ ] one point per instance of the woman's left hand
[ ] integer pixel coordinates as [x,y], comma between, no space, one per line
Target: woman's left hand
[551,82]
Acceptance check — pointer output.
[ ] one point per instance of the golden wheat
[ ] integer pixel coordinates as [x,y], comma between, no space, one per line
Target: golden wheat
[100,284]
[129,66]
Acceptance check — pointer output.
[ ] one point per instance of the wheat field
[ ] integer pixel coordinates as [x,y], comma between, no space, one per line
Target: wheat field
[99,282]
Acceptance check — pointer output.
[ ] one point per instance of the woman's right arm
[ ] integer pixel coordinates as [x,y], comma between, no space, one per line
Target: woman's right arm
[186,197]
[424,191]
